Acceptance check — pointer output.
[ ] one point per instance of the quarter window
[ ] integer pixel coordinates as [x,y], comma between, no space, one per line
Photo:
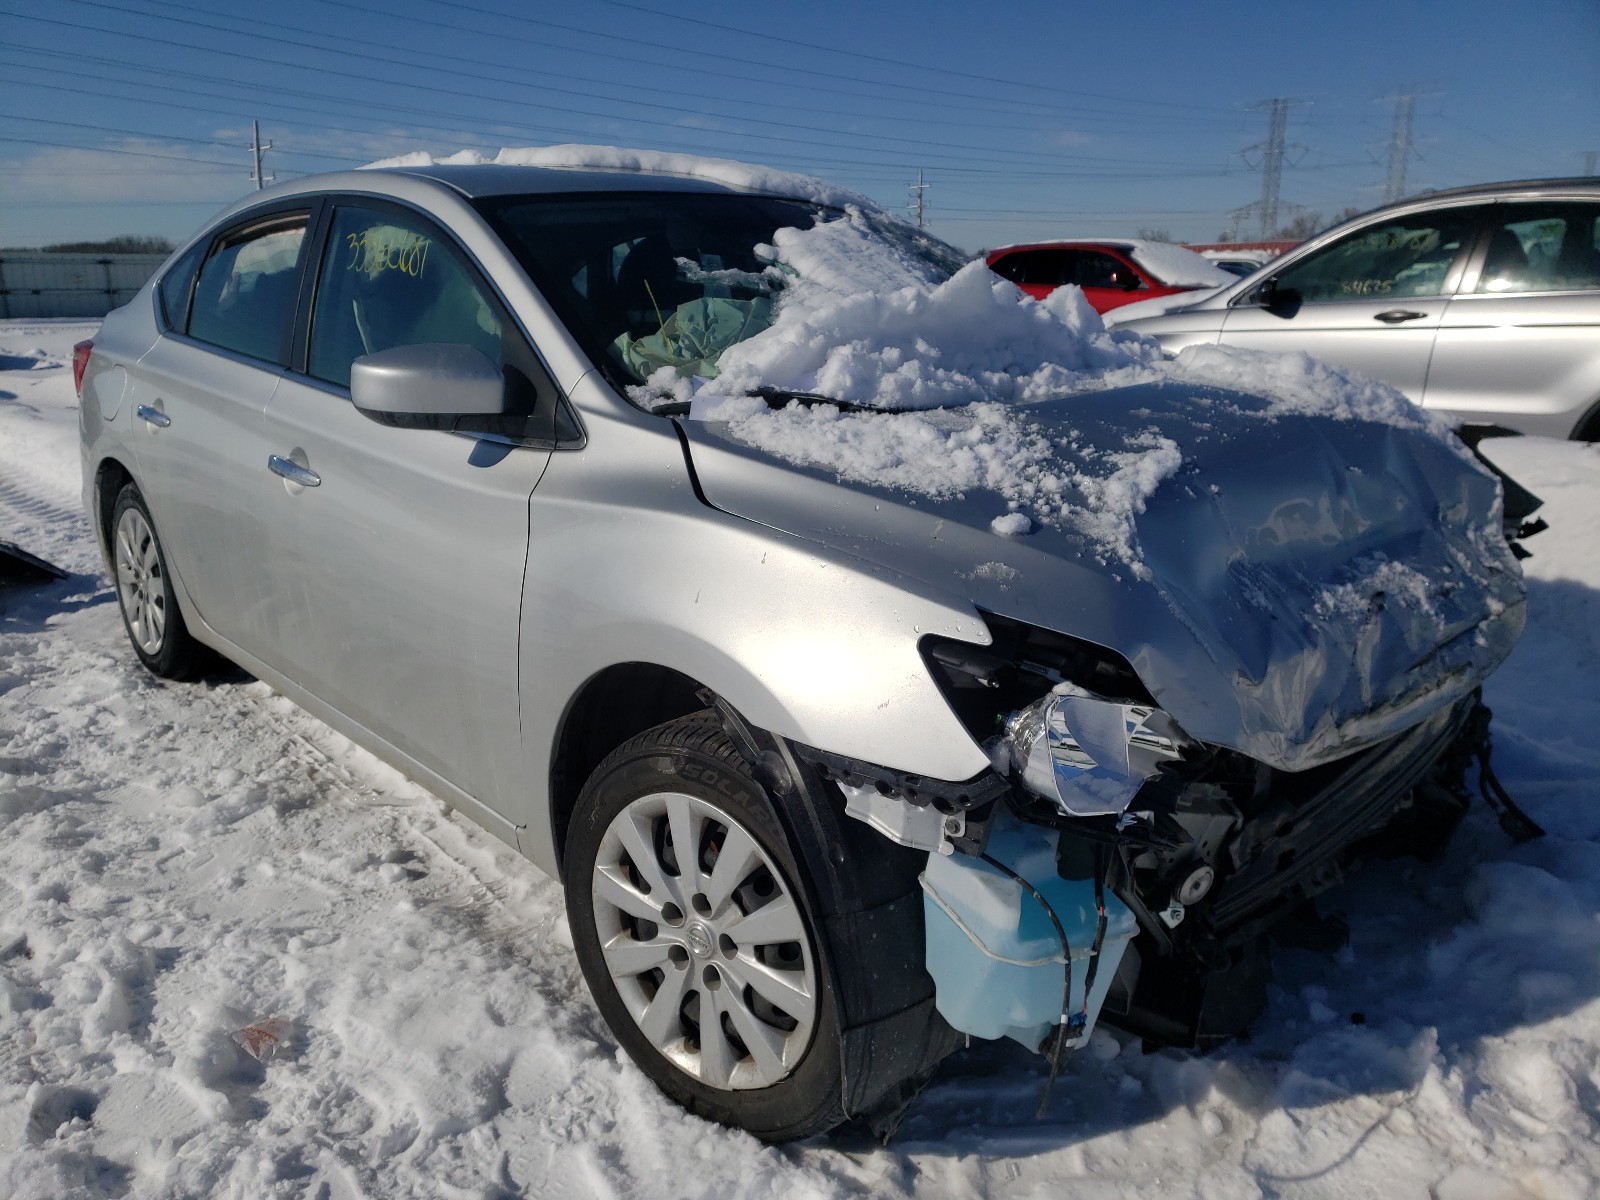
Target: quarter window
[1552,247]
[387,280]
[245,293]
[176,287]
[1406,256]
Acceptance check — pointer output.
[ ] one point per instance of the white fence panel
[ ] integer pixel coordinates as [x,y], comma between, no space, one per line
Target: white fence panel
[36,284]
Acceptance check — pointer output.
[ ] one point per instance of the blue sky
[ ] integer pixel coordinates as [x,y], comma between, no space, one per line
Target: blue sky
[1026,119]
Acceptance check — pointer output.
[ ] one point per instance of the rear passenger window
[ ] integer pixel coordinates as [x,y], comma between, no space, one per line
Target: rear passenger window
[245,294]
[1549,247]
[388,281]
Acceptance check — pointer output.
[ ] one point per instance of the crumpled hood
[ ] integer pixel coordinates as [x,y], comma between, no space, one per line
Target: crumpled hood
[1296,587]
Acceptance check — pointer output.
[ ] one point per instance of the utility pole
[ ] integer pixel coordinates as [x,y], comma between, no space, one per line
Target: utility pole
[1273,151]
[256,150]
[1402,147]
[917,205]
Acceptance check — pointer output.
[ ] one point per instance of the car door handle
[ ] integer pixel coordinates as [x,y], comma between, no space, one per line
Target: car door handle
[293,471]
[152,416]
[1395,316]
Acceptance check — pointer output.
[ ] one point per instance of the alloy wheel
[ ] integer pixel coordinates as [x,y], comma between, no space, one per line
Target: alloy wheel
[141,583]
[705,942]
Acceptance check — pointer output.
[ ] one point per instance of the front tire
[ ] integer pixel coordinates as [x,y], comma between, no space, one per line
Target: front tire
[144,591]
[695,930]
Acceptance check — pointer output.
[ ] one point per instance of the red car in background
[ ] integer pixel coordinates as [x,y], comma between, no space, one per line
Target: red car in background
[1111,271]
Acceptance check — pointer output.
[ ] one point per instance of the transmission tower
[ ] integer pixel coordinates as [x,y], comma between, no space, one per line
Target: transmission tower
[1273,151]
[1402,147]
[918,207]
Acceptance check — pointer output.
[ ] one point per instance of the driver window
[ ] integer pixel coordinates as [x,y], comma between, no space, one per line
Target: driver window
[388,281]
[1406,256]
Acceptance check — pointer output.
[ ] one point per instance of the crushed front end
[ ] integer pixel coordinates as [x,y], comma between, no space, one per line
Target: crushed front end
[1108,838]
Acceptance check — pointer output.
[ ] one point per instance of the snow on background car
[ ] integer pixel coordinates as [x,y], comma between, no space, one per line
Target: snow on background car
[1176,266]
[178,862]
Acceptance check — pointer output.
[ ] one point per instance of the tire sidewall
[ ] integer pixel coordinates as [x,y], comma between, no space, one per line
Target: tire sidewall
[809,1098]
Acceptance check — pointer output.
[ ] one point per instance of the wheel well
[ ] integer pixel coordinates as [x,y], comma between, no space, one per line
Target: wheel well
[1588,429]
[109,480]
[615,705]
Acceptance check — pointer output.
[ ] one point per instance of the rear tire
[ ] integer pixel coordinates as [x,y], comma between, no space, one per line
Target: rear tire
[662,936]
[144,592]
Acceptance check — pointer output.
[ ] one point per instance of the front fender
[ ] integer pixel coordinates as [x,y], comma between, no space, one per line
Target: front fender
[626,564]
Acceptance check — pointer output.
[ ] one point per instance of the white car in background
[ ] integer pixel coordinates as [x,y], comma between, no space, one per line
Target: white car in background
[1482,303]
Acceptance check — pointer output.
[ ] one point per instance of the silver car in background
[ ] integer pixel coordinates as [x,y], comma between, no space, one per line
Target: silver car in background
[834,775]
[1480,302]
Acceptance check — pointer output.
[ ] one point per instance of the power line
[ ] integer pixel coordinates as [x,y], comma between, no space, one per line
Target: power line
[894,62]
[765,81]
[388,60]
[204,162]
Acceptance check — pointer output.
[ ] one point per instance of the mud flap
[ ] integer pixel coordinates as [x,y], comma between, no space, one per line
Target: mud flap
[18,568]
[887,1064]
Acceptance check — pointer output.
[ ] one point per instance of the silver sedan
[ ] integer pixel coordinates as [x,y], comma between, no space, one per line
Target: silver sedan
[1481,302]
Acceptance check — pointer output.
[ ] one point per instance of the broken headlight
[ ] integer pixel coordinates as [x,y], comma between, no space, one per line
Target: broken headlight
[1067,719]
[1088,754]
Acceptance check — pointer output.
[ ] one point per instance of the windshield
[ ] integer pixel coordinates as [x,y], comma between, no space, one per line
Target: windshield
[647,281]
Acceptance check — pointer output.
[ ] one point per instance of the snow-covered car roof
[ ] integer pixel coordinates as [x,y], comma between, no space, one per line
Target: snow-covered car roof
[580,168]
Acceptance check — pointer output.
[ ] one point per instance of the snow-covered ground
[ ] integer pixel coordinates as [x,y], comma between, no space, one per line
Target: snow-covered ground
[180,861]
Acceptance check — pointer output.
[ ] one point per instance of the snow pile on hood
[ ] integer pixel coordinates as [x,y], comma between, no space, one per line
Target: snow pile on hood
[1293,383]
[862,321]
[749,177]
[1043,478]
[872,314]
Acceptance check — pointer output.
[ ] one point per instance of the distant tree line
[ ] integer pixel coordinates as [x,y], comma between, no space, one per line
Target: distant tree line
[125,244]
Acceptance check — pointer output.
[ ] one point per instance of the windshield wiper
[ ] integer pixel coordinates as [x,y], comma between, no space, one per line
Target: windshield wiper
[779,397]
[776,398]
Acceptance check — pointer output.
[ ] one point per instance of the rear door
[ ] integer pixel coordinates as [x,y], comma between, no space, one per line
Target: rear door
[1371,301]
[1520,342]
[198,396]
[397,576]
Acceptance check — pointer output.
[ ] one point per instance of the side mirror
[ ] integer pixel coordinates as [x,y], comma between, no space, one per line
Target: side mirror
[426,386]
[1279,301]
[1132,283]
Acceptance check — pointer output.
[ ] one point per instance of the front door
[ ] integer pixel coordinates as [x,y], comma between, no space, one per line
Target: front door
[398,572]
[1371,301]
